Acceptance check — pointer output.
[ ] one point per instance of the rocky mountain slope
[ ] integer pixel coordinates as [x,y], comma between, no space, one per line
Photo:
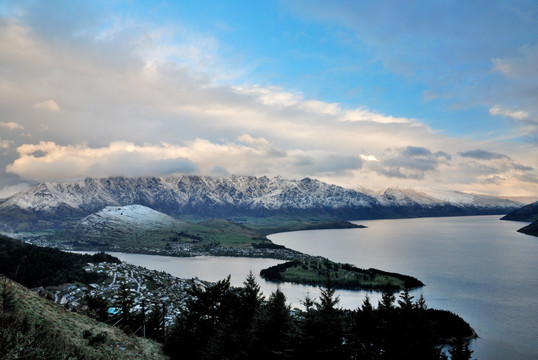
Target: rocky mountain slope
[59,204]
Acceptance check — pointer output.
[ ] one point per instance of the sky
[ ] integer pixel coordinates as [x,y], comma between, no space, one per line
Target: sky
[362,94]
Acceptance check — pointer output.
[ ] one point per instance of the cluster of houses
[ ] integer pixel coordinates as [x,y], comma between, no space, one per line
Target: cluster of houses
[146,289]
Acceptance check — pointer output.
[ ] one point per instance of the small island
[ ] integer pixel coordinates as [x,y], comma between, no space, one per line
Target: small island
[317,271]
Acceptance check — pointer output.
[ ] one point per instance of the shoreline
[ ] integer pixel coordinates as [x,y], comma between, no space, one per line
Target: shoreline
[357,279]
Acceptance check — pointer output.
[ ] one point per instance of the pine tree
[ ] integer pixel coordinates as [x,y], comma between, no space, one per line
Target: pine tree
[362,336]
[406,301]
[420,304]
[307,330]
[250,296]
[327,299]
[207,308]
[97,307]
[325,327]
[387,299]
[272,330]
[154,324]
[459,349]
[367,305]
[250,301]
[126,303]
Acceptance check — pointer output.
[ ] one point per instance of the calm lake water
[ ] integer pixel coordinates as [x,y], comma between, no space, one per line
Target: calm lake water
[478,267]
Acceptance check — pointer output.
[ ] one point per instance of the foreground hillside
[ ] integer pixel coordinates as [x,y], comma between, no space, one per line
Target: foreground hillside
[35,328]
[59,204]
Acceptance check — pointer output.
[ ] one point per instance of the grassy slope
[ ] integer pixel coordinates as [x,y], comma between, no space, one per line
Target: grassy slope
[203,233]
[235,233]
[73,332]
[274,224]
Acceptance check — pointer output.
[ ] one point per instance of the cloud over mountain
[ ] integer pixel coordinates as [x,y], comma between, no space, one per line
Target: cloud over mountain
[112,95]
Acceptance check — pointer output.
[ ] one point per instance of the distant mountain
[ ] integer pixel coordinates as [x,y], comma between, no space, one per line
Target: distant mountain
[60,204]
[525,213]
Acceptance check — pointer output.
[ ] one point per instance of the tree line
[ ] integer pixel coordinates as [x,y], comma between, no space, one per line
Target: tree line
[223,322]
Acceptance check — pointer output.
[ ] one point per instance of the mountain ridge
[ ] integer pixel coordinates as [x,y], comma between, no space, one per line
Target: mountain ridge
[58,204]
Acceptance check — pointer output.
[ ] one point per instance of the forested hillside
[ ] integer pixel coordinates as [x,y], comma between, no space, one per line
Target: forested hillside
[33,266]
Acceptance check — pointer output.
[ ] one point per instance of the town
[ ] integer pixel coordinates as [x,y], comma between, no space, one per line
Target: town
[146,291]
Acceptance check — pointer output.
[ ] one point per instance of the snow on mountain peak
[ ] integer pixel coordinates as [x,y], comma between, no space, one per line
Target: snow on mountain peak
[237,195]
[134,216]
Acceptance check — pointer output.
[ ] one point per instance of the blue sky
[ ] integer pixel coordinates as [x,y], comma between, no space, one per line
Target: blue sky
[357,93]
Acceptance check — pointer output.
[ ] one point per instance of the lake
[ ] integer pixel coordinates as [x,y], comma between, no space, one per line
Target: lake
[478,267]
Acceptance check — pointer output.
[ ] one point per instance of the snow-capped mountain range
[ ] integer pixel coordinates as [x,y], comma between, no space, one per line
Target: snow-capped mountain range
[58,203]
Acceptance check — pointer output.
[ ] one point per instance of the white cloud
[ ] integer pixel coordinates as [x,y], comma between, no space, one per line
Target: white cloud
[516,114]
[519,74]
[11,125]
[50,161]
[5,144]
[171,119]
[410,162]
[523,66]
[271,95]
[363,114]
[368,157]
[49,105]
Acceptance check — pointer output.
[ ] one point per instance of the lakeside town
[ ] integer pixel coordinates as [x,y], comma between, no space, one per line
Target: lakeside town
[146,291]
